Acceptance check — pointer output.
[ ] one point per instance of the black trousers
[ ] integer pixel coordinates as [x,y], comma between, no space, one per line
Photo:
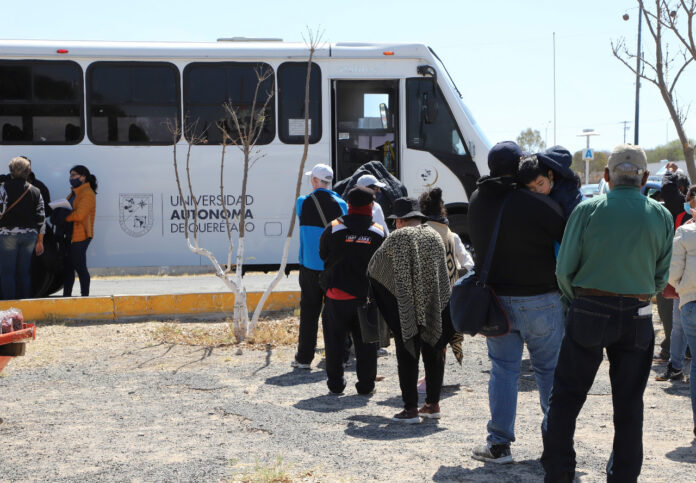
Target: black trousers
[433,357]
[341,318]
[595,324]
[664,309]
[311,301]
[76,261]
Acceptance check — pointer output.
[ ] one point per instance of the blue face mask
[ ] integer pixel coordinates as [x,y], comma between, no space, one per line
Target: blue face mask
[75,182]
[687,207]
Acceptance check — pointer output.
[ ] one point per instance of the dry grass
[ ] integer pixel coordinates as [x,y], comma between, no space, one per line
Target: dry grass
[276,472]
[270,333]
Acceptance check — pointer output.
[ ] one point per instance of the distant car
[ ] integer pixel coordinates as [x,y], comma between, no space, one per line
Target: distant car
[589,190]
[653,186]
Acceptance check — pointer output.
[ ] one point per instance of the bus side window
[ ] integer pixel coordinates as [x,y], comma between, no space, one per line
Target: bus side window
[132,103]
[39,99]
[209,85]
[292,77]
[429,122]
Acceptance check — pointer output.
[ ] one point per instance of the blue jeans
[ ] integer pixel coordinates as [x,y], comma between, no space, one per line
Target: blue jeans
[677,346]
[15,264]
[537,321]
[688,319]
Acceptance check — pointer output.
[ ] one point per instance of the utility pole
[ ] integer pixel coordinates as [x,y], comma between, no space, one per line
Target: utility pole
[639,57]
[588,155]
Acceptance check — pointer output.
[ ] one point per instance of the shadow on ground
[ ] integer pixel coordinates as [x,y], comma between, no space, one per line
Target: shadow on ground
[295,378]
[685,454]
[524,471]
[379,428]
[331,403]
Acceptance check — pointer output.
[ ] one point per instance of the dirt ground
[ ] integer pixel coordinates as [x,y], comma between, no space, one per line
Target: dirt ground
[105,401]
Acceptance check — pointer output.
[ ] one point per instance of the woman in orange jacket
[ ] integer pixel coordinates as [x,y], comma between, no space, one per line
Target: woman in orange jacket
[84,202]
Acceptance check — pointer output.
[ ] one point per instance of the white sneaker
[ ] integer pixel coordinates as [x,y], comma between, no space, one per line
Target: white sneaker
[299,365]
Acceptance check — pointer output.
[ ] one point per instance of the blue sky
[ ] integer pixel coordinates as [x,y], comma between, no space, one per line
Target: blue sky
[500,53]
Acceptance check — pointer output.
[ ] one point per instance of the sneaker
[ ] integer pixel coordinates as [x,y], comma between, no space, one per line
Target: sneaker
[299,365]
[430,411]
[497,453]
[335,393]
[421,388]
[382,352]
[671,374]
[407,416]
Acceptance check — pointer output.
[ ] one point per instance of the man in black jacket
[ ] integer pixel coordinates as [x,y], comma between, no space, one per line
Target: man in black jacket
[346,247]
[522,274]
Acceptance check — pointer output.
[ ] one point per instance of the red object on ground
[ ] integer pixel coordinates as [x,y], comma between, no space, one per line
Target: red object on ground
[25,334]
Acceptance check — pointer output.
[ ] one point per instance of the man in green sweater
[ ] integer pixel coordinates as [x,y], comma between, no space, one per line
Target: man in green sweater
[614,257]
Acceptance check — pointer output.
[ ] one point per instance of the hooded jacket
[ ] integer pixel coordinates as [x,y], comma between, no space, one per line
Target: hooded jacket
[523,263]
[565,189]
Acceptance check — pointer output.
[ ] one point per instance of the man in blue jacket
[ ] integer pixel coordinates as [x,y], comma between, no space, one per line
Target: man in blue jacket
[315,211]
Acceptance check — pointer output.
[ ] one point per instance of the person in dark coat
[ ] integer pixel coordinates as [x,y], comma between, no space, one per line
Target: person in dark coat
[21,220]
[346,246]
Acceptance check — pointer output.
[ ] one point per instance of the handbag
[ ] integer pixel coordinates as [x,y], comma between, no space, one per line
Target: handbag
[670,292]
[474,306]
[368,316]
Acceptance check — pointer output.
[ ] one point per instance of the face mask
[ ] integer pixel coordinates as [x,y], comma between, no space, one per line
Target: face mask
[687,207]
[75,182]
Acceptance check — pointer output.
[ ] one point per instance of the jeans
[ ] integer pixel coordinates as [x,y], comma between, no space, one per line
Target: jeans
[537,321]
[664,309]
[688,318]
[15,264]
[340,318]
[407,363]
[311,301]
[677,348]
[76,261]
[596,323]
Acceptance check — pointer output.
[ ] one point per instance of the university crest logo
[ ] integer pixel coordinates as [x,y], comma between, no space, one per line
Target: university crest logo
[135,213]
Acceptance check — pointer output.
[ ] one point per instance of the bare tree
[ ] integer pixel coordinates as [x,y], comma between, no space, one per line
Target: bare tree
[665,69]
[242,128]
[313,40]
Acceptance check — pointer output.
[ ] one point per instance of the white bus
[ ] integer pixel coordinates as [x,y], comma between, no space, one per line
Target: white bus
[106,105]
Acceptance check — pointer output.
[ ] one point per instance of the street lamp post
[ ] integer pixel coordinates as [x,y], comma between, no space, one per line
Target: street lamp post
[639,58]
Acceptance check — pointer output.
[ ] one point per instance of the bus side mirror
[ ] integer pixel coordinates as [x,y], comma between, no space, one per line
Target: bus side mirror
[384,115]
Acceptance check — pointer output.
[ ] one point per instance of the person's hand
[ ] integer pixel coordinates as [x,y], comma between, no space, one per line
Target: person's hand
[671,167]
[39,248]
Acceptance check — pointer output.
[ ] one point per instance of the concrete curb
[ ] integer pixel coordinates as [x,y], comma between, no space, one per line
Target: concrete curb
[124,306]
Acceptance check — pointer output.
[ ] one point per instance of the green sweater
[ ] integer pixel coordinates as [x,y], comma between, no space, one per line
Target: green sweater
[620,243]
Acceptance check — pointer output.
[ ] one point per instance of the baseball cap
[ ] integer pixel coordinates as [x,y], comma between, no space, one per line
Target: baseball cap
[628,154]
[322,172]
[369,180]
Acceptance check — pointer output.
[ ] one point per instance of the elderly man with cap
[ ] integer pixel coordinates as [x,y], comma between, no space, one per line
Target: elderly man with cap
[370,181]
[411,285]
[614,257]
[346,246]
[315,211]
[522,275]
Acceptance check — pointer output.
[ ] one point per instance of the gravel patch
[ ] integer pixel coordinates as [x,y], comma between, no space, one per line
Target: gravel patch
[96,402]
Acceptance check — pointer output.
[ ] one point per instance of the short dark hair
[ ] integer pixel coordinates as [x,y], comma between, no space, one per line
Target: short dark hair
[530,168]
[691,193]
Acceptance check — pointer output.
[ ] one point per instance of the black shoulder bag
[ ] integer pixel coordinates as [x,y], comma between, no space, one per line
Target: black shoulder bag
[474,306]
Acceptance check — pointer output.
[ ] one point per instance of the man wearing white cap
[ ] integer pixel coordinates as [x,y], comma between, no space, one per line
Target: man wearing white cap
[315,211]
[369,181]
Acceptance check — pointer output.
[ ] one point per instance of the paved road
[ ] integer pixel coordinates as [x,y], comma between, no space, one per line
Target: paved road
[146,285]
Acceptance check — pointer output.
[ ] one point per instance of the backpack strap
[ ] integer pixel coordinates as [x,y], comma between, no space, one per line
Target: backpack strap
[319,210]
[16,201]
